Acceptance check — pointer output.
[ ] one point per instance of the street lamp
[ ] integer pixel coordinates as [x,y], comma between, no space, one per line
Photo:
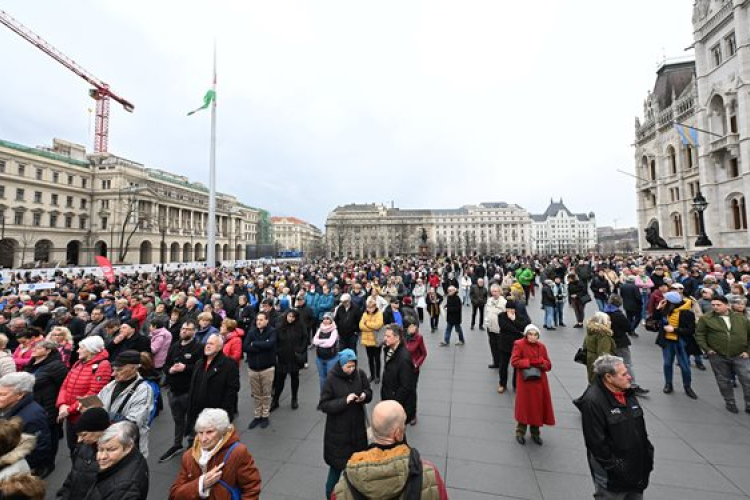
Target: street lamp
[700,204]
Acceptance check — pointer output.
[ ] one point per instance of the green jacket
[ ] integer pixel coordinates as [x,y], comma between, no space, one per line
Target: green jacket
[598,341]
[524,276]
[712,334]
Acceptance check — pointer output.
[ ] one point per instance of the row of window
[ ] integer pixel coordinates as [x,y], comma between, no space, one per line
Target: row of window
[22,169]
[38,198]
[737,218]
[724,49]
[19,219]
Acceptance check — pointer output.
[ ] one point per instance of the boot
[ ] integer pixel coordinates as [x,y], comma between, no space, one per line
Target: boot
[274,405]
[295,404]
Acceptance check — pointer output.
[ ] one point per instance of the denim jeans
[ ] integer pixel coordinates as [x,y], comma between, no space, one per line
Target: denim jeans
[669,352]
[724,367]
[559,308]
[324,367]
[644,303]
[600,303]
[333,478]
[449,329]
[634,319]
[549,316]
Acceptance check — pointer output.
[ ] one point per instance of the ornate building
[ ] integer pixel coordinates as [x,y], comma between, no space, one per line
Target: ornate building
[560,231]
[293,235]
[60,205]
[373,230]
[711,94]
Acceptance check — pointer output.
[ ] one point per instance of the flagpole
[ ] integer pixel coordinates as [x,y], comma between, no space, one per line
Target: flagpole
[211,250]
[698,129]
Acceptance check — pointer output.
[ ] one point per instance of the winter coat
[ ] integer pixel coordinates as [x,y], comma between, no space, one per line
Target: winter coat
[22,357]
[202,335]
[137,409]
[510,330]
[347,320]
[417,350]
[600,283]
[453,309]
[685,329]
[136,342]
[369,325]
[233,345]
[139,312]
[239,471]
[433,304]
[245,317]
[160,340]
[533,397]
[712,334]
[384,472]
[14,461]
[492,311]
[399,380]
[36,423]
[49,376]
[215,387]
[190,355]
[231,303]
[548,297]
[631,297]
[128,479]
[525,276]
[324,304]
[620,326]
[86,378]
[291,345]
[478,295]
[260,347]
[598,341]
[82,475]
[346,425]
[620,455]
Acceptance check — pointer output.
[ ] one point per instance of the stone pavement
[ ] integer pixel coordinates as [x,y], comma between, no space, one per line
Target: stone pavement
[467,429]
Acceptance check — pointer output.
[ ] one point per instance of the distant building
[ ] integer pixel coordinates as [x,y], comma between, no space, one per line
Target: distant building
[611,240]
[712,94]
[295,236]
[560,231]
[374,230]
[60,205]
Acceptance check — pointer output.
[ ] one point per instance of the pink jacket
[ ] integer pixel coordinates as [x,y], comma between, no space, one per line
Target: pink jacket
[161,339]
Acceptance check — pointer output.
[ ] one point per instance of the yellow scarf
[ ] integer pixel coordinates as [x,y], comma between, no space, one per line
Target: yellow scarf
[674,319]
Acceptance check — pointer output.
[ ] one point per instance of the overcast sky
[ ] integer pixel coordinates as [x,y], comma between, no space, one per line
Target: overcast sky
[431,104]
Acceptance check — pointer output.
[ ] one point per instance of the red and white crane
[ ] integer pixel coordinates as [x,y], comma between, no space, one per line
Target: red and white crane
[101,91]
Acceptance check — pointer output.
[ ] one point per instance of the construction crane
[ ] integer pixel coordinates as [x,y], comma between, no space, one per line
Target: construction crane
[101,91]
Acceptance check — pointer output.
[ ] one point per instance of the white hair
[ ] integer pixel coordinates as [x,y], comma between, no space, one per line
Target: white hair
[18,382]
[212,418]
[125,432]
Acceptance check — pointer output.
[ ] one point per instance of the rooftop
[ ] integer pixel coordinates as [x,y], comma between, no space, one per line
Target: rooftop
[44,153]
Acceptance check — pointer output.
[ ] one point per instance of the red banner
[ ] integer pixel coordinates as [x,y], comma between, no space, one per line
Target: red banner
[106,266]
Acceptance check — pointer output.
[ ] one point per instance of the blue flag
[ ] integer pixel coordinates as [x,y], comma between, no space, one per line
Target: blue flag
[689,135]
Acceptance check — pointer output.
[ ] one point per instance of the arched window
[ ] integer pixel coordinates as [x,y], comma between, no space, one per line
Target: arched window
[676,225]
[672,159]
[689,156]
[739,213]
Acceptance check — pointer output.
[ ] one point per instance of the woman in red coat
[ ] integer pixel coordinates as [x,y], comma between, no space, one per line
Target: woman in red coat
[415,346]
[533,397]
[232,339]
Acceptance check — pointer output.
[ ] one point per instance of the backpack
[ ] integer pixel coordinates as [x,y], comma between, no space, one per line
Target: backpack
[155,405]
[234,491]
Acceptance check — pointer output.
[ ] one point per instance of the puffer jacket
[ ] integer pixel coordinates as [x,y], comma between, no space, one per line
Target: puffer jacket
[233,345]
[14,462]
[599,340]
[369,326]
[84,379]
[161,339]
[383,472]
[117,482]
[82,475]
[492,310]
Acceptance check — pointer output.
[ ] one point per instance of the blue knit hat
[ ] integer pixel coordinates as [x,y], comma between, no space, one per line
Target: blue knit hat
[347,355]
[673,297]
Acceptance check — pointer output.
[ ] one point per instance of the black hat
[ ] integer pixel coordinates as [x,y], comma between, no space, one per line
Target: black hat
[129,357]
[511,304]
[133,323]
[93,420]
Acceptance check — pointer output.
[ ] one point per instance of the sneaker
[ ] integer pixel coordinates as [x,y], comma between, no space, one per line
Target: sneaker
[254,423]
[264,422]
[171,453]
[443,344]
[459,343]
[732,407]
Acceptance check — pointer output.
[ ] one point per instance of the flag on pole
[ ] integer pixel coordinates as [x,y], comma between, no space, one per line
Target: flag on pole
[106,266]
[207,100]
[689,135]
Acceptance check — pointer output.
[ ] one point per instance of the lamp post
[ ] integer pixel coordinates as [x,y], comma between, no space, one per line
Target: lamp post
[700,204]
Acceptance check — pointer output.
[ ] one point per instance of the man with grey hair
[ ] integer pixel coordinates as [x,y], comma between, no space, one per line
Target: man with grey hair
[620,455]
[389,455]
[17,400]
[218,461]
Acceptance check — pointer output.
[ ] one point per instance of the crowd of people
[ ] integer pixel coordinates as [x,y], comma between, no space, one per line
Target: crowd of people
[94,362]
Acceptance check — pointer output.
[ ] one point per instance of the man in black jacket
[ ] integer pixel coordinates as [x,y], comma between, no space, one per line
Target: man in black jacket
[260,346]
[478,296]
[347,318]
[128,339]
[620,455]
[632,303]
[181,360]
[399,379]
[215,382]
[620,331]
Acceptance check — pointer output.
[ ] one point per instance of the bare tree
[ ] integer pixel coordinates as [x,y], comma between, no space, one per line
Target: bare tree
[27,240]
[342,233]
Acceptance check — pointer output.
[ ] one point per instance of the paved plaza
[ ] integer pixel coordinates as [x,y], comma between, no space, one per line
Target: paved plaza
[467,429]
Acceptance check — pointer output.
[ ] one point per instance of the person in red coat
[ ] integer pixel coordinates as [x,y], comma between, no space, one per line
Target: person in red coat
[533,397]
[232,340]
[415,346]
[138,311]
[88,376]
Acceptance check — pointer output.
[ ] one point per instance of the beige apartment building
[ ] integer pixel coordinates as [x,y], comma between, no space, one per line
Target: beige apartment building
[59,205]
[295,236]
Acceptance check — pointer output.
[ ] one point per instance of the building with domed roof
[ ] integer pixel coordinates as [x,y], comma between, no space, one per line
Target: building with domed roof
[560,231]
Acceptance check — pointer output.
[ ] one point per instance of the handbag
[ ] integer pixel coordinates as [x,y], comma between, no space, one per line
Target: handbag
[531,373]
[584,298]
[580,356]
[652,325]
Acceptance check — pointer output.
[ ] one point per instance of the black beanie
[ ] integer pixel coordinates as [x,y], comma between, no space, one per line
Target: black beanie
[93,420]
